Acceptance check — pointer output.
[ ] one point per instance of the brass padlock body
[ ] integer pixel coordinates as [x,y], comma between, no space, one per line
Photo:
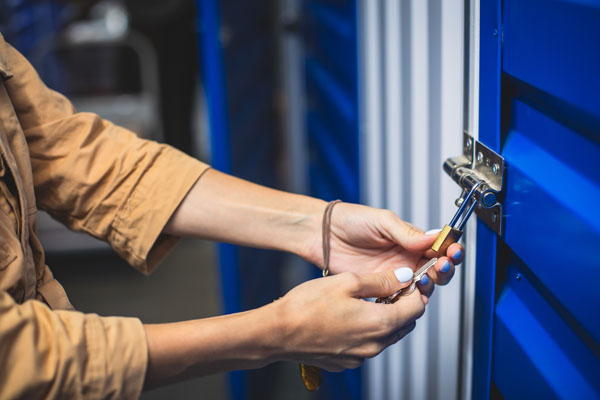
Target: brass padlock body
[311,377]
[447,236]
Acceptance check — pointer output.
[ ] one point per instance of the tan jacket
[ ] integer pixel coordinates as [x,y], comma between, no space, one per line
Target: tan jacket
[94,177]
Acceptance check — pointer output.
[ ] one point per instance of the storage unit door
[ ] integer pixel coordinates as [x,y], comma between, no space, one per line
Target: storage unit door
[537,320]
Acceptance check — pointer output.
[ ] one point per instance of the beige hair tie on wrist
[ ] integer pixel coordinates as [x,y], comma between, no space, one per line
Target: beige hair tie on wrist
[311,376]
[326,234]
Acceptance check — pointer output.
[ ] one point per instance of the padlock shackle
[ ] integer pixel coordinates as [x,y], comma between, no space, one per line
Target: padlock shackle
[463,206]
[466,216]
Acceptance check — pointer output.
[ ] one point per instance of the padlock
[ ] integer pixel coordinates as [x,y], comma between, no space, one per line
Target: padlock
[450,234]
[447,236]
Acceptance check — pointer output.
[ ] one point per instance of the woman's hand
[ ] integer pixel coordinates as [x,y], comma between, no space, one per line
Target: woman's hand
[323,322]
[328,325]
[365,239]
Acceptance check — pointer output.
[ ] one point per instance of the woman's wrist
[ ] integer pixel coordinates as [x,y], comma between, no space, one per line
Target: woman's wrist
[183,350]
[224,208]
[307,225]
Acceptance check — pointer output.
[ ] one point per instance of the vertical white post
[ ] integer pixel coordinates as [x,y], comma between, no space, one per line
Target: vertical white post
[447,299]
[419,167]
[394,160]
[370,106]
[466,367]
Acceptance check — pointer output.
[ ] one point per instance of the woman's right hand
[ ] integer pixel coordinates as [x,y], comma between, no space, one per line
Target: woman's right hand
[326,323]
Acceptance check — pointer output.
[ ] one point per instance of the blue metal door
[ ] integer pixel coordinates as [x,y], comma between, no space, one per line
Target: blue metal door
[332,127]
[238,63]
[332,99]
[537,331]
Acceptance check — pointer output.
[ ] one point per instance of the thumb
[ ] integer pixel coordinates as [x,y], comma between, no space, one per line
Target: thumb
[410,237]
[384,283]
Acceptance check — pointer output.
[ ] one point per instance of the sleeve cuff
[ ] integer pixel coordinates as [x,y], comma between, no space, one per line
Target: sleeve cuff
[137,228]
[117,357]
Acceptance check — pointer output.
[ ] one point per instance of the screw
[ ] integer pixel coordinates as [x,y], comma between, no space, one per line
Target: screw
[479,157]
[469,143]
[494,217]
[459,201]
[495,169]
[518,277]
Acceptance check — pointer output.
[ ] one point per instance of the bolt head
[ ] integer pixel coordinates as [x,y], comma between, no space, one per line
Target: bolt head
[495,169]
[469,143]
[480,157]
[459,201]
[518,277]
[489,199]
[494,217]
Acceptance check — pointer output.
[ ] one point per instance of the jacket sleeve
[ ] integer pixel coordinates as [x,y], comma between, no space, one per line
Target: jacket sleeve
[67,354]
[97,177]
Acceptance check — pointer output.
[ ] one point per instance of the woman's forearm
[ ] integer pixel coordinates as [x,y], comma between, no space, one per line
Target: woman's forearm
[182,350]
[224,208]
[323,322]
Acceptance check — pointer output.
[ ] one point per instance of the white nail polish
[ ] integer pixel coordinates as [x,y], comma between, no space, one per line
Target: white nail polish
[433,231]
[403,274]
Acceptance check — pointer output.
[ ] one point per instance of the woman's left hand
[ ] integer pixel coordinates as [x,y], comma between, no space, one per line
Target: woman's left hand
[365,239]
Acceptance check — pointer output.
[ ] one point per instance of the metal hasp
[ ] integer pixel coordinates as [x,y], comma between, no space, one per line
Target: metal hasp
[479,170]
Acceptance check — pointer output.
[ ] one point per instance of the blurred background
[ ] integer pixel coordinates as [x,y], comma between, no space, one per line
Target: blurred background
[359,100]
[286,93]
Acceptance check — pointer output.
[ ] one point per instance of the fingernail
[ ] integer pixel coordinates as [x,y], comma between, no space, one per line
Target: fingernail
[445,267]
[424,280]
[433,231]
[457,255]
[403,274]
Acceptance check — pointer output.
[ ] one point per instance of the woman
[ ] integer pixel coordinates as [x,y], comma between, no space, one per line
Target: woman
[141,196]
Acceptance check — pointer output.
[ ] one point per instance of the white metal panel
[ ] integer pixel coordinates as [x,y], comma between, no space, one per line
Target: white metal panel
[394,160]
[417,48]
[447,299]
[370,119]
[417,342]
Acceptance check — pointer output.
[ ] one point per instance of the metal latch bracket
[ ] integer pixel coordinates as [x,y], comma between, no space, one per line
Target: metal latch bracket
[481,168]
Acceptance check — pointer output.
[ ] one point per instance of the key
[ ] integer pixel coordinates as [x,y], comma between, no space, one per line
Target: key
[405,291]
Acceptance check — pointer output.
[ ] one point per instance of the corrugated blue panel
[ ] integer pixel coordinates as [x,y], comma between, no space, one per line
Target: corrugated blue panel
[550,187]
[24,23]
[332,119]
[536,352]
[545,340]
[553,46]
[29,24]
[239,77]
[332,127]
[337,163]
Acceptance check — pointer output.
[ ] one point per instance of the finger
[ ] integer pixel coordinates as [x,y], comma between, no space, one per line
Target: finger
[442,272]
[456,253]
[408,236]
[407,309]
[382,284]
[398,335]
[426,286]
